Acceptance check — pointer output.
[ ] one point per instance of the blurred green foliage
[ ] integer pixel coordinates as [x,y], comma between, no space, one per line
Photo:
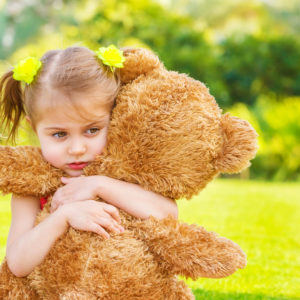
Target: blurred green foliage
[278,126]
[253,66]
[246,52]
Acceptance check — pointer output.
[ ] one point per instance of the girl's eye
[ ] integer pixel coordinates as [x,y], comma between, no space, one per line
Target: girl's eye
[59,135]
[92,130]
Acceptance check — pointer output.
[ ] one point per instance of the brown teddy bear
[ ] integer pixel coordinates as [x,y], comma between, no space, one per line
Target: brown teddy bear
[168,135]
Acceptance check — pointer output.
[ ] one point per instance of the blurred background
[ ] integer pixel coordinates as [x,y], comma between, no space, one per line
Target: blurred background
[248,54]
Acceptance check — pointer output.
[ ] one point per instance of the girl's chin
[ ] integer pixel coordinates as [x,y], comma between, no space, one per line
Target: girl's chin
[74,173]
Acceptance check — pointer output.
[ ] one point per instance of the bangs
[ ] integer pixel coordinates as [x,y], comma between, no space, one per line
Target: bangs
[74,105]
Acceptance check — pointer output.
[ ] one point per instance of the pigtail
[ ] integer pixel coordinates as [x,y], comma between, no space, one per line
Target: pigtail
[11,104]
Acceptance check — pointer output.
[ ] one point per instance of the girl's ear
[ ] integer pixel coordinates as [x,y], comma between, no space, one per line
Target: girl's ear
[29,121]
[138,61]
[239,146]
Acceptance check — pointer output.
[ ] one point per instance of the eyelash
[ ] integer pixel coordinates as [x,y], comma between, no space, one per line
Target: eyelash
[97,129]
[56,134]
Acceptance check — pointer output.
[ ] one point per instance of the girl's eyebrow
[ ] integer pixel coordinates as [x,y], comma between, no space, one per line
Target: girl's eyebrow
[54,128]
[99,122]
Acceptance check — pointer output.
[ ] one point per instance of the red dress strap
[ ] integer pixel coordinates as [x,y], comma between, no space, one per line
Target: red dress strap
[43,201]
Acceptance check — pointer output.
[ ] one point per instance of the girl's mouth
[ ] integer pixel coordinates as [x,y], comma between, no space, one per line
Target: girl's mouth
[77,165]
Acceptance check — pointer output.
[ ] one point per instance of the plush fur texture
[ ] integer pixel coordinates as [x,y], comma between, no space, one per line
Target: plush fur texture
[167,134]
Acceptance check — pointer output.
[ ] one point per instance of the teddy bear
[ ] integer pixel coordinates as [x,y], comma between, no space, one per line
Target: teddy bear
[167,134]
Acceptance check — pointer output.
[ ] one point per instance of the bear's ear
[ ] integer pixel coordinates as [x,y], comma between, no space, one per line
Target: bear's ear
[239,146]
[24,171]
[138,61]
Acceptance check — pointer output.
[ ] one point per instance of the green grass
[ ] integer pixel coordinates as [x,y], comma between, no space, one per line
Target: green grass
[263,218]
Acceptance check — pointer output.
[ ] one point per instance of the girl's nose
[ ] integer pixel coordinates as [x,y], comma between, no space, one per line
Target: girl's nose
[77,148]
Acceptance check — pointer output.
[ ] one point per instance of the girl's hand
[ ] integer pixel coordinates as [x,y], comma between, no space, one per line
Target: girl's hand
[94,216]
[75,189]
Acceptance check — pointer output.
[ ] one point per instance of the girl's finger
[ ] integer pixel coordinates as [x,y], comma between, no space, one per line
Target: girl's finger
[117,226]
[108,224]
[65,180]
[120,227]
[113,212]
[99,230]
[56,202]
[53,207]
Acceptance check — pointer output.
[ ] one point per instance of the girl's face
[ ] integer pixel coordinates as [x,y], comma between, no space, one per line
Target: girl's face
[71,136]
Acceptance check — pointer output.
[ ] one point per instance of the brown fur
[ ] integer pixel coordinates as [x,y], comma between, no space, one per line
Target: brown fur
[167,134]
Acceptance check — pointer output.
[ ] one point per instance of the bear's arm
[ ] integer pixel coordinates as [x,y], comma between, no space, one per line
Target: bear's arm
[190,250]
[24,171]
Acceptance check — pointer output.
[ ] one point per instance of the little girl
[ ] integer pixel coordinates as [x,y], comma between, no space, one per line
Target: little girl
[67,98]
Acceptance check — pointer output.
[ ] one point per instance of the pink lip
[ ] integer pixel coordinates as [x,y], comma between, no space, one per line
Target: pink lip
[77,165]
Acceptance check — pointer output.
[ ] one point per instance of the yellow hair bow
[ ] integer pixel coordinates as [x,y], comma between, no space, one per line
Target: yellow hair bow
[26,69]
[111,56]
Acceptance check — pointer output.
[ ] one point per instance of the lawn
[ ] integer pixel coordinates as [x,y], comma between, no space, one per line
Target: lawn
[263,218]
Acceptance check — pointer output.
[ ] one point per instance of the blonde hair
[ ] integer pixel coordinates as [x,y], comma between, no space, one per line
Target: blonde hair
[75,68]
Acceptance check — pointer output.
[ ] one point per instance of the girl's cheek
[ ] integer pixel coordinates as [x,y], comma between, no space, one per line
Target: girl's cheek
[99,147]
[53,155]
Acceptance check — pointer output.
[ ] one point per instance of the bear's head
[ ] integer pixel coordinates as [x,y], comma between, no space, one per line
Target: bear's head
[167,132]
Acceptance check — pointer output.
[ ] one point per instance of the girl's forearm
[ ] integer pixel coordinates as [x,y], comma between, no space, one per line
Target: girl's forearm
[24,254]
[134,199]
